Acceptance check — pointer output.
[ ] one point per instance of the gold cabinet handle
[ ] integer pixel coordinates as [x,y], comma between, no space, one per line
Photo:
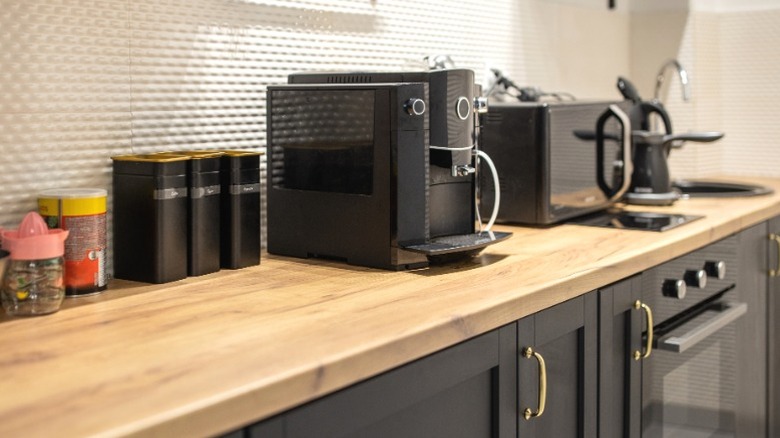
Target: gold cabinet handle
[776,239]
[528,413]
[638,355]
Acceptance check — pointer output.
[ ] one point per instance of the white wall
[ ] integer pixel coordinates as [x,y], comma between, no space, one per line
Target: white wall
[731,48]
[82,80]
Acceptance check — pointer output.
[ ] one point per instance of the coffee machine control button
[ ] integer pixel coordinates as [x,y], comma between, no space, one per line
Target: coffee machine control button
[415,107]
[463,108]
[481,105]
[674,289]
[696,278]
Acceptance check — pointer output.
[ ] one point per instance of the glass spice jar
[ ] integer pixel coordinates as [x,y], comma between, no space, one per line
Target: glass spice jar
[33,280]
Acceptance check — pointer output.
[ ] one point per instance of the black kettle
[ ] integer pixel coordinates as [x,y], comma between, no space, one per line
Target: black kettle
[650,181]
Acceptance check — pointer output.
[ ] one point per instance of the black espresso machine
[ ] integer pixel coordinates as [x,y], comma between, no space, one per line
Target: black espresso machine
[375,169]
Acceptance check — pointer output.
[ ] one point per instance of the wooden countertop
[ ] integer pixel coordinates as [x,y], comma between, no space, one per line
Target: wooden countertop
[206,355]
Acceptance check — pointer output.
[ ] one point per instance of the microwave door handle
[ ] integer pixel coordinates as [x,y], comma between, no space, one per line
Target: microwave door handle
[682,342]
[614,194]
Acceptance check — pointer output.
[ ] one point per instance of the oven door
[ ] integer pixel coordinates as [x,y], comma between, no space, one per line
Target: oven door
[689,386]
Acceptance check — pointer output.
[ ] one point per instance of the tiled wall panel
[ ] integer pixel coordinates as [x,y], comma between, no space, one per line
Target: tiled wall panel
[731,50]
[82,80]
[750,49]
[64,97]
[700,55]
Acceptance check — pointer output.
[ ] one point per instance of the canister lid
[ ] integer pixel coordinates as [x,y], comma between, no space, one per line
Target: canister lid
[152,165]
[72,202]
[151,158]
[243,152]
[72,193]
[197,155]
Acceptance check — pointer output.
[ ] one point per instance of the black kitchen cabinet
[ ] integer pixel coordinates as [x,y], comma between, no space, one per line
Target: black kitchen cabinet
[272,428]
[468,390]
[706,372]
[559,346]
[479,388]
[585,364]
[773,339]
[621,351]
[751,331]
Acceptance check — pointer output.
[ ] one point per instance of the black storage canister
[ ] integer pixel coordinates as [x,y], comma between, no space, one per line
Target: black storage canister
[203,235]
[150,217]
[240,209]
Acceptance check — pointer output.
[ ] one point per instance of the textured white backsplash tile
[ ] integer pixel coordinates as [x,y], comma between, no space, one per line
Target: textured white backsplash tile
[82,80]
[733,56]
[750,49]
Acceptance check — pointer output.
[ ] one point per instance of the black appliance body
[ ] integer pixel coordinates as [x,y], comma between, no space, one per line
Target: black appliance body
[692,378]
[356,173]
[550,164]
[651,183]
[650,180]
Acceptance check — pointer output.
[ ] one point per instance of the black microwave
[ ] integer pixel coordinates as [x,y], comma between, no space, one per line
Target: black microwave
[550,165]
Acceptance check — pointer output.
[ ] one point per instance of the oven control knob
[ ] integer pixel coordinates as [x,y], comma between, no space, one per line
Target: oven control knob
[696,278]
[716,269]
[415,107]
[674,288]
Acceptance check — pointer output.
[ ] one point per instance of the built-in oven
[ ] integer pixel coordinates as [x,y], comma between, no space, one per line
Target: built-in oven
[690,383]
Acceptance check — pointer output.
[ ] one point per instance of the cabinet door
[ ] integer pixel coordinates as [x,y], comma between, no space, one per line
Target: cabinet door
[751,374]
[272,428]
[621,322]
[468,390]
[564,337]
[773,341]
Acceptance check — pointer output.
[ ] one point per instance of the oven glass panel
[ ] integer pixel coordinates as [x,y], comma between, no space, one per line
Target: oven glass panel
[692,394]
[691,381]
[323,140]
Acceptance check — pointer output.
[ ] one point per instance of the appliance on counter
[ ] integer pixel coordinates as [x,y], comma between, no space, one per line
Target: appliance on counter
[551,166]
[650,180]
[692,369]
[375,169]
[651,183]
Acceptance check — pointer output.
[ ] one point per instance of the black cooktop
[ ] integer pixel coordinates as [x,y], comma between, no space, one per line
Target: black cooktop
[634,220]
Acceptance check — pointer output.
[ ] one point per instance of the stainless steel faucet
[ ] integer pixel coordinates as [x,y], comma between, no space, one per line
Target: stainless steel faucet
[659,80]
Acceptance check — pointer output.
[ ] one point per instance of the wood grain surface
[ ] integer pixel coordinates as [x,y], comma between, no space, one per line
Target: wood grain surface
[210,354]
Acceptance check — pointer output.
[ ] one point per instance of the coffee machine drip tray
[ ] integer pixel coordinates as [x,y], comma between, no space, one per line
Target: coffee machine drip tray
[460,244]
[635,220]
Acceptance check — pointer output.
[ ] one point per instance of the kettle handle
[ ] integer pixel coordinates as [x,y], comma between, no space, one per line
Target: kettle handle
[614,193]
[648,108]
